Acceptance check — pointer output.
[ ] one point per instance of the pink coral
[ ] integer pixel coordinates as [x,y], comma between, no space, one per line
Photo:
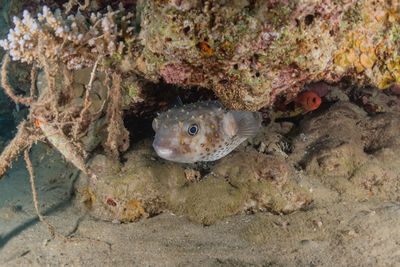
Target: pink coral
[174,73]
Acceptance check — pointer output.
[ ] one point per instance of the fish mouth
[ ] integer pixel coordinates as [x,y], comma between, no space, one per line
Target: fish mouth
[163,150]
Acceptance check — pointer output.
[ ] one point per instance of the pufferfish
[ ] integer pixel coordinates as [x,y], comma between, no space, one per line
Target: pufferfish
[202,131]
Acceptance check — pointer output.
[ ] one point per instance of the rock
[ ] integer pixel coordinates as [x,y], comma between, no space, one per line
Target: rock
[250,52]
[239,183]
[335,94]
[350,152]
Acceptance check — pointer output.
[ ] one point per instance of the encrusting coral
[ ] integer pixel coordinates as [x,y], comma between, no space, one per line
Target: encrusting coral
[250,52]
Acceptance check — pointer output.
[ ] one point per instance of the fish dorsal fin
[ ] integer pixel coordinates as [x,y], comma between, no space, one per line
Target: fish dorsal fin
[177,102]
[248,122]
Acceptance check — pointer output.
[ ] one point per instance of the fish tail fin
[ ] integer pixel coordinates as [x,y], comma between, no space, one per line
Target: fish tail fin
[248,122]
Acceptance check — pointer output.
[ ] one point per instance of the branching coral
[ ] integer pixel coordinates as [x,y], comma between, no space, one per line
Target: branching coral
[74,41]
[25,137]
[56,44]
[58,113]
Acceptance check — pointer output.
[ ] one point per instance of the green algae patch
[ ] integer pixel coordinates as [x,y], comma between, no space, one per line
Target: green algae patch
[244,182]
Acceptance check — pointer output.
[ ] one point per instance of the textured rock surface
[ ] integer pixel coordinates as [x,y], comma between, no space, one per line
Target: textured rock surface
[351,152]
[248,52]
[146,186]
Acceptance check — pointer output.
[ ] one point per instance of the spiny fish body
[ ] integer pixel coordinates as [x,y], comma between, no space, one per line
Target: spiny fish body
[202,131]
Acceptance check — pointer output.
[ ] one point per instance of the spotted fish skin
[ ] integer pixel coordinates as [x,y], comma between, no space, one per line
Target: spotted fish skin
[202,131]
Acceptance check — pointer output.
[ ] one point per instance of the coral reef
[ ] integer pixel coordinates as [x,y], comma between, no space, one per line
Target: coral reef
[283,169]
[249,52]
[88,68]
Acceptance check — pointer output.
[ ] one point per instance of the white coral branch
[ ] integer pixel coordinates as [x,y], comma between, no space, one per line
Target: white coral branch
[74,40]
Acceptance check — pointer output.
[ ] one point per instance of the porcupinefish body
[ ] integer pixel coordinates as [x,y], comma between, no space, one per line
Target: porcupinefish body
[202,131]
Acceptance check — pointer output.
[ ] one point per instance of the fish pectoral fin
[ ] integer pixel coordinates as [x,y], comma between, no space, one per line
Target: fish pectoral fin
[248,122]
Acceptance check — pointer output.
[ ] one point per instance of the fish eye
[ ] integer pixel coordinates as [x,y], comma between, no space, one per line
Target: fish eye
[193,129]
[314,99]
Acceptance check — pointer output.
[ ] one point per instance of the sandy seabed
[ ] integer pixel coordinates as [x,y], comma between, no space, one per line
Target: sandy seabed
[352,220]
